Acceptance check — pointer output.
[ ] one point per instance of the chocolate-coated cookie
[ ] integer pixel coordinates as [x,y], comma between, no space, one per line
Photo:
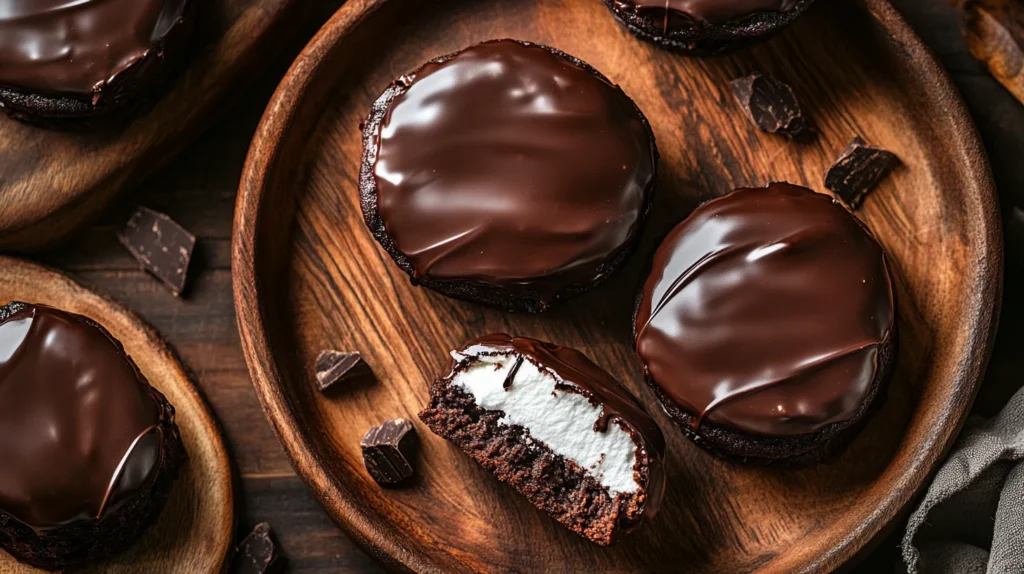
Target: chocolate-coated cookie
[61,62]
[705,27]
[509,174]
[767,325]
[89,449]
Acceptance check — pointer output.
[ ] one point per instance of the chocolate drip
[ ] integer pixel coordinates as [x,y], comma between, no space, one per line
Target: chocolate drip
[507,164]
[580,373]
[715,11]
[765,311]
[58,47]
[76,419]
[512,373]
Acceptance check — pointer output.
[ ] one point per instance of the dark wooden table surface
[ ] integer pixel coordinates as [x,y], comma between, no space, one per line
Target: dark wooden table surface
[198,187]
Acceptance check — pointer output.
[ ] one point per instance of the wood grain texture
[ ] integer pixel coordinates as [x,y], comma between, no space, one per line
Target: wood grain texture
[994,33]
[53,182]
[195,530]
[329,285]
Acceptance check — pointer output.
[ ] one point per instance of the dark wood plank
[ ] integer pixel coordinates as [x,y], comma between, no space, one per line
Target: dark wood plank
[307,536]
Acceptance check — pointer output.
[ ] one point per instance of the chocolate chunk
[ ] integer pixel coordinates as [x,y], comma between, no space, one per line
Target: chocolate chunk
[257,553]
[858,170]
[388,451]
[770,104]
[163,247]
[512,373]
[331,366]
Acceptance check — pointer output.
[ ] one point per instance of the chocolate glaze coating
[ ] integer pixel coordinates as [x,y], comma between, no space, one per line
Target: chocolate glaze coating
[76,420]
[705,27]
[508,173]
[768,313]
[87,444]
[61,59]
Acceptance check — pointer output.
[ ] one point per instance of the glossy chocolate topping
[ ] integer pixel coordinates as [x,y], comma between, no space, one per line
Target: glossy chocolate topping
[574,367]
[507,164]
[715,11]
[75,47]
[765,311]
[78,428]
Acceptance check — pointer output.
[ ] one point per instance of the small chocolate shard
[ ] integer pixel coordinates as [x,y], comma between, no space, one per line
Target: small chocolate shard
[388,452]
[160,245]
[511,376]
[257,553]
[858,170]
[770,104]
[332,366]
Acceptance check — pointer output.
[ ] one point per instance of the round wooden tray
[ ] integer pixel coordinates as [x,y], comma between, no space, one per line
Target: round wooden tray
[53,182]
[195,530]
[309,276]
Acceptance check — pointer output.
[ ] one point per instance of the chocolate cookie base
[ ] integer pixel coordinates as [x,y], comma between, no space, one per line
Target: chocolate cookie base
[520,298]
[551,482]
[784,451]
[86,541]
[129,94]
[705,38]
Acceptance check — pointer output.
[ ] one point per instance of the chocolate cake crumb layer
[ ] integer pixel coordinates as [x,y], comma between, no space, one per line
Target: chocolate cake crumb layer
[705,27]
[767,324]
[509,174]
[99,475]
[61,60]
[570,438]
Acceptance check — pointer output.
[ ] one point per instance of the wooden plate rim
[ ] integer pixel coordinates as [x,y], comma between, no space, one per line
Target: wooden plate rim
[267,149]
[156,341]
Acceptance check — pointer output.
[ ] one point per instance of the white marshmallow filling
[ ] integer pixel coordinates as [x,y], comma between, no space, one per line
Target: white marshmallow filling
[561,420]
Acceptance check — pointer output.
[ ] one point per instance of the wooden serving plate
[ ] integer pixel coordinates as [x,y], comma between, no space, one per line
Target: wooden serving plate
[309,276]
[195,530]
[53,182]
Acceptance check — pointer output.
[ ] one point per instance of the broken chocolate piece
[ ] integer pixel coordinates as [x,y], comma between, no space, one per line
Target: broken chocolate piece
[331,366]
[512,373]
[388,451]
[770,104]
[858,170]
[163,247]
[257,553]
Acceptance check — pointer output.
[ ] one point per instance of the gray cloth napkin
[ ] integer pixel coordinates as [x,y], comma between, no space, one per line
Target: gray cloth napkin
[972,518]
